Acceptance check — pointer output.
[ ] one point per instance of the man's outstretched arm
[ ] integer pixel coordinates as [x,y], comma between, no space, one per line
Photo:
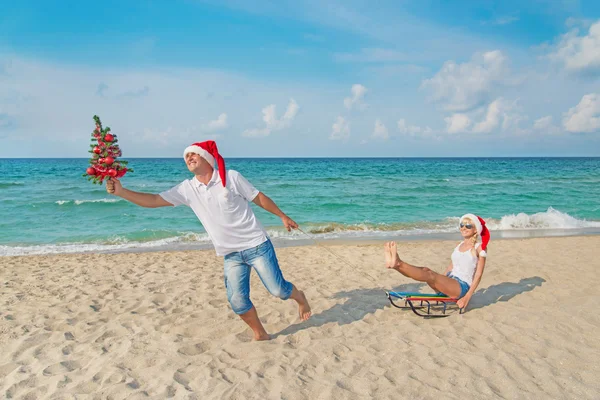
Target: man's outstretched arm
[148,200]
[265,202]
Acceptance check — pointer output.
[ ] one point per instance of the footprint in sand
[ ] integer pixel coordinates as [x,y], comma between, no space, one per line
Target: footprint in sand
[134,384]
[231,375]
[181,378]
[216,303]
[96,307]
[15,389]
[67,350]
[159,298]
[115,378]
[171,391]
[105,335]
[98,377]
[64,382]
[61,367]
[244,337]
[194,350]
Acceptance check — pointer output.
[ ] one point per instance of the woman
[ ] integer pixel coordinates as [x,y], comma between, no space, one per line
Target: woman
[465,270]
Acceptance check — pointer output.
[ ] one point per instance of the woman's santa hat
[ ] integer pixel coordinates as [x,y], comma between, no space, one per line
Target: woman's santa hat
[209,151]
[482,231]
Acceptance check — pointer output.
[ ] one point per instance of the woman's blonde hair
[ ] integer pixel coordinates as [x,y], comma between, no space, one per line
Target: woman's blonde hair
[474,238]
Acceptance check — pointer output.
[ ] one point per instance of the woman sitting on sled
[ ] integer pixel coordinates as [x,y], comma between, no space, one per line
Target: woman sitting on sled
[464,272]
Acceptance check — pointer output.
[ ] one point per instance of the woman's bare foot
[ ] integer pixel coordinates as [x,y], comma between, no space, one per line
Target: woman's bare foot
[388,255]
[395,258]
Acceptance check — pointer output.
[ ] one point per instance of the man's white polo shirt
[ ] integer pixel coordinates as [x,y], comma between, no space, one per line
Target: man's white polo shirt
[225,214]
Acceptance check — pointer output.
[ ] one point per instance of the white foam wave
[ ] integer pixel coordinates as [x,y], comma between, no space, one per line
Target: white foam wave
[550,219]
[115,244]
[79,202]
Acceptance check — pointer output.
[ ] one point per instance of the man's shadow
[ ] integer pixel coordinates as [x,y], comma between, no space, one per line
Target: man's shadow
[361,302]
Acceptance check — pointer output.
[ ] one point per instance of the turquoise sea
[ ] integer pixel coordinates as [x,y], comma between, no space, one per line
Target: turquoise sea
[46,206]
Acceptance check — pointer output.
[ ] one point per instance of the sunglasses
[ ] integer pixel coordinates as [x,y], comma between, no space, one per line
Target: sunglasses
[468,226]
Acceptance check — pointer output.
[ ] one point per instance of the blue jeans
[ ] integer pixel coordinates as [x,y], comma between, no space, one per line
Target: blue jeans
[237,275]
[464,286]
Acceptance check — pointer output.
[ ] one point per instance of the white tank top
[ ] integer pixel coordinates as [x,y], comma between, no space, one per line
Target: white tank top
[464,264]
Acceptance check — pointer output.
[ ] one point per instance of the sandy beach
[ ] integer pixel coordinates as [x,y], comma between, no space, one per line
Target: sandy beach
[158,325]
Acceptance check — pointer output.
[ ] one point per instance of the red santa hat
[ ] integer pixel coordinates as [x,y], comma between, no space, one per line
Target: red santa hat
[209,151]
[482,230]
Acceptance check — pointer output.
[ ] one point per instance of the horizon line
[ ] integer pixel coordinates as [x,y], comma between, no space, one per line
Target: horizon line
[306,157]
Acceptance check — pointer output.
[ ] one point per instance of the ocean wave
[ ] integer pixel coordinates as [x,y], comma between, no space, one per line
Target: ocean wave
[112,244]
[551,219]
[6,185]
[80,202]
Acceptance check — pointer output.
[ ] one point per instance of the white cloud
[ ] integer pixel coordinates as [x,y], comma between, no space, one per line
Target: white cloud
[272,123]
[513,117]
[412,130]
[380,131]
[462,87]
[542,123]
[219,124]
[38,96]
[545,125]
[579,53]
[340,130]
[457,123]
[492,118]
[356,101]
[496,116]
[585,116]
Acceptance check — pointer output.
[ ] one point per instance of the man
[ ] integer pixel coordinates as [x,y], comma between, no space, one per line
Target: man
[221,203]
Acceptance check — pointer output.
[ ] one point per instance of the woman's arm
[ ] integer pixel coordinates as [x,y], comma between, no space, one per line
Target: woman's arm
[462,303]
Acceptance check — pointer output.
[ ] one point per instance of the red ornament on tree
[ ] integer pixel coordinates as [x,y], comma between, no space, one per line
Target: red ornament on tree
[105,150]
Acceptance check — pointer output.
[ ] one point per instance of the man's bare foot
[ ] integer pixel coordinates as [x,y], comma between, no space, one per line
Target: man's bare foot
[396,261]
[388,255]
[251,318]
[261,336]
[303,306]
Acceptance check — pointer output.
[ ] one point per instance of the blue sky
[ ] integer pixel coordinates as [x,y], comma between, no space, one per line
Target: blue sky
[302,78]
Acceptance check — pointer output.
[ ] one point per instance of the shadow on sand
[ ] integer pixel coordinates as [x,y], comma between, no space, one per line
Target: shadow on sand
[503,292]
[361,302]
[358,304]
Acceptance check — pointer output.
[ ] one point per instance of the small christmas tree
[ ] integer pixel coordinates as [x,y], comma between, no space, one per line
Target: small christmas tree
[105,150]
